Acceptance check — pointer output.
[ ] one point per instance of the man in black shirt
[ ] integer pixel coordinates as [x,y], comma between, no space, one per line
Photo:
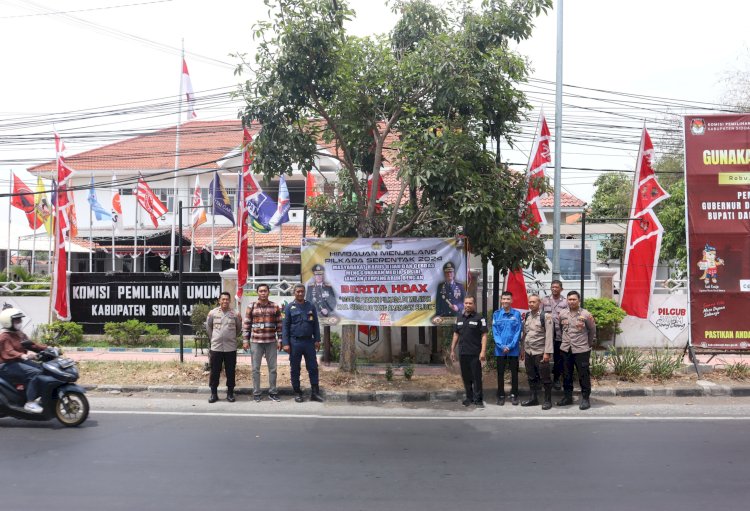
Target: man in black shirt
[470,332]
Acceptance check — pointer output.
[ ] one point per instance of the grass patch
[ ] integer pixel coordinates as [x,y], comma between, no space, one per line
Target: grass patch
[738,370]
[663,364]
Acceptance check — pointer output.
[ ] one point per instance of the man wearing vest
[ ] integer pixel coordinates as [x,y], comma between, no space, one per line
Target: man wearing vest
[261,330]
[470,334]
[553,305]
[578,335]
[537,350]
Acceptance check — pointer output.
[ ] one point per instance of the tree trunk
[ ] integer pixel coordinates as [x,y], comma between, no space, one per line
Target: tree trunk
[388,344]
[348,359]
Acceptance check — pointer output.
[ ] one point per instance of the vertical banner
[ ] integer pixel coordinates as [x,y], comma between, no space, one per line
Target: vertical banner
[385,281]
[717,180]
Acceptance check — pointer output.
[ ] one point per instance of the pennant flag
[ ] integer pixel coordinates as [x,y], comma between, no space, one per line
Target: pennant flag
[516,284]
[149,201]
[540,159]
[382,190]
[64,226]
[116,214]
[281,216]
[643,242]
[310,189]
[96,208]
[24,200]
[65,208]
[220,203]
[60,293]
[187,88]
[43,208]
[199,212]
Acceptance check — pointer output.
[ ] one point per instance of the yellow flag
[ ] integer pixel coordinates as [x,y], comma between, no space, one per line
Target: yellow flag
[41,205]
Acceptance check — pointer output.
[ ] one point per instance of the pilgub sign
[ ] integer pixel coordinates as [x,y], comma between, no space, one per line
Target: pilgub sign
[98,298]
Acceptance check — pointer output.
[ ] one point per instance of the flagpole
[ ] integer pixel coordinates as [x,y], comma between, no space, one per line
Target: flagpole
[91,227]
[176,162]
[240,196]
[281,228]
[10,210]
[213,218]
[192,243]
[113,246]
[135,234]
[33,240]
[253,258]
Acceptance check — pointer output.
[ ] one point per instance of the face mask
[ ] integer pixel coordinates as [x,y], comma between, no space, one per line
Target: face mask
[17,324]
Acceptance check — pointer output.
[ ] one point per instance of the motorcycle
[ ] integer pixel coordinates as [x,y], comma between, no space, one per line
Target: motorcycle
[61,398]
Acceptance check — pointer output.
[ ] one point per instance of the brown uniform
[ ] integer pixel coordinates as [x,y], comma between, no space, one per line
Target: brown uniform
[578,334]
[537,340]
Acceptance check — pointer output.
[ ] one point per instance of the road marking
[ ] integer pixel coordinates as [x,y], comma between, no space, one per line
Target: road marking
[417,417]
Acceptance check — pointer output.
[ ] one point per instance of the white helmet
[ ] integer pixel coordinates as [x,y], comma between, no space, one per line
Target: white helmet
[8,316]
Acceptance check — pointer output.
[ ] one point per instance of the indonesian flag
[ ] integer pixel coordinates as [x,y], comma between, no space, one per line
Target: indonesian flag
[60,292]
[64,226]
[199,213]
[187,88]
[310,190]
[64,205]
[644,236]
[149,201]
[23,199]
[246,189]
[117,219]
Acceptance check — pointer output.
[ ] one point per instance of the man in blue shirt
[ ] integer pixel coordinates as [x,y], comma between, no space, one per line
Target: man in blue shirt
[506,332]
[301,338]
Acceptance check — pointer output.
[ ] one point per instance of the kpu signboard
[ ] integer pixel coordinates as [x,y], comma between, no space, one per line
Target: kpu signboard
[717,173]
[385,281]
[98,298]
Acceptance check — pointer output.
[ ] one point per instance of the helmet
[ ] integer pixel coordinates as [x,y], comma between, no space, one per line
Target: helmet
[8,316]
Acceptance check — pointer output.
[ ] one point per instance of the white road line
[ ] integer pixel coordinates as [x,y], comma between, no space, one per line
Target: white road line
[423,418]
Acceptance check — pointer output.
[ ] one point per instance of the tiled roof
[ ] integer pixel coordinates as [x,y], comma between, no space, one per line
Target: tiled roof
[566,201]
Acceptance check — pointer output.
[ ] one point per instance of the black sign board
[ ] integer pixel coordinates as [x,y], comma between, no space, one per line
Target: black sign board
[98,298]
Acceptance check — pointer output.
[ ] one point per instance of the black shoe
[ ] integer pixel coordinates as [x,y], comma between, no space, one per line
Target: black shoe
[479,404]
[298,397]
[565,401]
[274,398]
[315,394]
[585,405]
[501,401]
[213,398]
[514,399]
[466,402]
[258,398]
[531,402]
[546,405]
[230,397]
[557,385]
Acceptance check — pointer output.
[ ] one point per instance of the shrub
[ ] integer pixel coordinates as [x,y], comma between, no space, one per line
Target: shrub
[664,363]
[61,333]
[598,365]
[627,363]
[408,368]
[389,372]
[335,347]
[738,370]
[607,315]
[198,321]
[135,333]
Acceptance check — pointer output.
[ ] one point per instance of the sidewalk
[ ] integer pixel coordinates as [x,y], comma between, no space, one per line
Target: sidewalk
[702,388]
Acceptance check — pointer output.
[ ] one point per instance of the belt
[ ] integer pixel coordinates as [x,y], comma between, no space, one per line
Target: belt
[309,338]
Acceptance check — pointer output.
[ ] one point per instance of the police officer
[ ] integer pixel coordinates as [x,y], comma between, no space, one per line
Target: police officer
[223,325]
[578,334]
[537,350]
[450,294]
[470,334]
[301,338]
[552,305]
[320,293]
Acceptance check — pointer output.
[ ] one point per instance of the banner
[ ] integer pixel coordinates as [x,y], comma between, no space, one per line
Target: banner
[717,180]
[385,281]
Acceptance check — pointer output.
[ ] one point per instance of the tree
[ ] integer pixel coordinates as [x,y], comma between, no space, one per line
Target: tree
[612,199]
[422,99]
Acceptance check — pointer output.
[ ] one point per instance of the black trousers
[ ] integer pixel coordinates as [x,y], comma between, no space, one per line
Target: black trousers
[471,373]
[216,359]
[537,371]
[581,362]
[512,363]
[557,358]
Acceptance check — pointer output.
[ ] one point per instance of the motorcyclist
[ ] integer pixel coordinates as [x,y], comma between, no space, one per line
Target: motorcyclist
[15,360]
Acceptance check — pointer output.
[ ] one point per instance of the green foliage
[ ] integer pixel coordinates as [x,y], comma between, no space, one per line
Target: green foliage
[389,372]
[335,347]
[408,368]
[612,199]
[738,370]
[627,363]
[491,361]
[21,274]
[671,214]
[598,365]
[663,364]
[61,333]
[198,321]
[133,333]
[607,315]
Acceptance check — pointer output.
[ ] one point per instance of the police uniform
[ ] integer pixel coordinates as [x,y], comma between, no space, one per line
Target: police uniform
[300,331]
[553,308]
[450,293]
[470,329]
[578,335]
[321,295]
[538,332]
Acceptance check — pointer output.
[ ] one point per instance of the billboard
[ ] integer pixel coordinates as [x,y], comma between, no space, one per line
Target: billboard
[717,181]
[98,298]
[385,281]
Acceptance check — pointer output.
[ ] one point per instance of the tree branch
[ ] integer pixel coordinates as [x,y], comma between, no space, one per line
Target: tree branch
[394,213]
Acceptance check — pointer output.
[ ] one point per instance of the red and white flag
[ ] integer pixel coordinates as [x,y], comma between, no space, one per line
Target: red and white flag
[643,242]
[246,188]
[149,201]
[199,211]
[60,292]
[64,226]
[117,220]
[65,209]
[187,89]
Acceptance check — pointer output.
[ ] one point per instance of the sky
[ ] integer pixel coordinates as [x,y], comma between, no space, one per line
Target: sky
[113,54]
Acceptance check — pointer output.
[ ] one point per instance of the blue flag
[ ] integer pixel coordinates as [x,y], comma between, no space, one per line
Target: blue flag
[260,207]
[220,203]
[281,216]
[97,208]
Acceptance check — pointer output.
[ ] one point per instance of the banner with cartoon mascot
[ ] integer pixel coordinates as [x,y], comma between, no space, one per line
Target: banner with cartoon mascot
[385,281]
[717,177]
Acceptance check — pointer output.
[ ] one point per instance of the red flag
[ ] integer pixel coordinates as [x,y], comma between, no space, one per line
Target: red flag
[382,190]
[187,89]
[149,201]
[23,199]
[310,190]
[65,206]
[63,227]
[245,189]
[539,160]
[60,282]
[516,284]
[644,236]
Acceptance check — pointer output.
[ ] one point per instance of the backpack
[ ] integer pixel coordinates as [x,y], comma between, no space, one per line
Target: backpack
[541,318]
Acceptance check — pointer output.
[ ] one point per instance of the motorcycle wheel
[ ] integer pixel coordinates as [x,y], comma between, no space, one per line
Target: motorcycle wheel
[72,409]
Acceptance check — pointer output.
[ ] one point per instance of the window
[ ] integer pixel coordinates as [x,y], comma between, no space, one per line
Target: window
[570,263]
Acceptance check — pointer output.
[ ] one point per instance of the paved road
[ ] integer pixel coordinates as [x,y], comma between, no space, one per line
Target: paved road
[180,453]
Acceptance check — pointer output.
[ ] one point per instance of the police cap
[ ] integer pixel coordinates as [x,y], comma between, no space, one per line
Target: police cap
[449,266]
[318,269]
